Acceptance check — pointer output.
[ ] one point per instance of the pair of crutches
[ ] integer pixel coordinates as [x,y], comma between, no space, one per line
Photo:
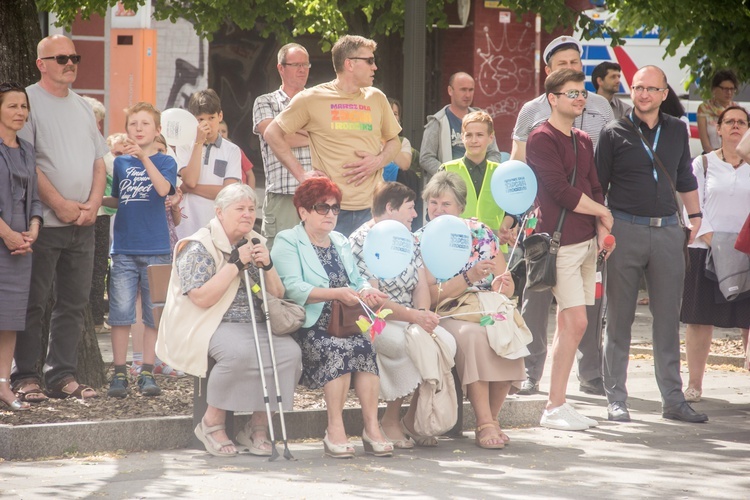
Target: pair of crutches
[274,452]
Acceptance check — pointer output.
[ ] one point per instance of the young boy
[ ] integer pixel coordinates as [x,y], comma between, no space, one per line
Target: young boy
[248,177]
[141,180]
[477,133]
[207,166]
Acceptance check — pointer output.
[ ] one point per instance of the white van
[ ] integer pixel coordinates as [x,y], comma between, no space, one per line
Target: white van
[641,49]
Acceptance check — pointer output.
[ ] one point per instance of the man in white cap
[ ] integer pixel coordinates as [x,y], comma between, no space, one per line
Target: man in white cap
[562,52]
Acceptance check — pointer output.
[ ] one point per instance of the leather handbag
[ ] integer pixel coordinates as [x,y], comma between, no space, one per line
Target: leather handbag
[540,250]
[344,318]
[743,238]
[286,316]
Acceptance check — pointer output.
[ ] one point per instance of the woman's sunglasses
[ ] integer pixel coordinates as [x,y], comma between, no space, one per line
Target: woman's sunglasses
[324,208]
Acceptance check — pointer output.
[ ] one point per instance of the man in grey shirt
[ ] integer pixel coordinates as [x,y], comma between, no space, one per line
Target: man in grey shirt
[562,52]
[69,152]
[441,141]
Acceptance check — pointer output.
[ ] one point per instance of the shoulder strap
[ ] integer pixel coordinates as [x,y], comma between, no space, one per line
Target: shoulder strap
[705,165]
[661,166]
[555,243]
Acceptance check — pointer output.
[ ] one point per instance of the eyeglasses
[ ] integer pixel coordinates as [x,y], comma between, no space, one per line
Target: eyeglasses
[728,89]
[324,208]
[732,123]
[368,60]
[8,86]
[651,90]
[298,65]
[63,59]
[573,94]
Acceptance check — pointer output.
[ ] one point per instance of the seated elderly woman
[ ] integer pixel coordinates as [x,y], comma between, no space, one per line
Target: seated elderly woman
[409,299]
[317,267]
[207,314]
[485,375]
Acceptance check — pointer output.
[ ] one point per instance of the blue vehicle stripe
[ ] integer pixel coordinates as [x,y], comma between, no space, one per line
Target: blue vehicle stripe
[596,52]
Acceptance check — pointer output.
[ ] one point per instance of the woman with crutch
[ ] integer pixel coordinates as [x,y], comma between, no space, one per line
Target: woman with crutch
[207,313]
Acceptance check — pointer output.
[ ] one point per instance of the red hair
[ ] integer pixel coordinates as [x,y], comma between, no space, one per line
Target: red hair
[315,190]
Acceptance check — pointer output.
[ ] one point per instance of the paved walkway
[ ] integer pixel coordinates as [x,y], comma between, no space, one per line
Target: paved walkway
[647,458]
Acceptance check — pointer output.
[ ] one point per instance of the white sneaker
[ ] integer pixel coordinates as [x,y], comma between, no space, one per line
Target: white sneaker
[586,420]
[562,418]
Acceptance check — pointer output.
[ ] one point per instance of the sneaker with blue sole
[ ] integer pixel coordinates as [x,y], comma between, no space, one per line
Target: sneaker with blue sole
[147,384]
[118,387]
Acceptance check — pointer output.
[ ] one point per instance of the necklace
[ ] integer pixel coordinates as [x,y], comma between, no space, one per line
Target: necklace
[723,158]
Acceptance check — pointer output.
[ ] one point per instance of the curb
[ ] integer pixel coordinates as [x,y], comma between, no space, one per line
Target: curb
[713,359]
[164,433]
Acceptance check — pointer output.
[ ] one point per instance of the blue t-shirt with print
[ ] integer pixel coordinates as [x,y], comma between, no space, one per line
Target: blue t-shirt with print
[141,220]
[457,144]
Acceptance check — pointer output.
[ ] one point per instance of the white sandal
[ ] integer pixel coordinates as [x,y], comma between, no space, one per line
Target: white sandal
[213,446]
[245,438]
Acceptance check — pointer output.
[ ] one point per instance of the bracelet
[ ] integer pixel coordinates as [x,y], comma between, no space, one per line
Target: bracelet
[269,266]
[35,222]
[466,278]
[695,215]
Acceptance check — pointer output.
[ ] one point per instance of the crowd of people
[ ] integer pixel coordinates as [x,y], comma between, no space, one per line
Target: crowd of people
[333,158]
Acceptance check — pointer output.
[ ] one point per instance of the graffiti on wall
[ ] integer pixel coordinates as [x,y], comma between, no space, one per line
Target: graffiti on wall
[187,79]
[506,71]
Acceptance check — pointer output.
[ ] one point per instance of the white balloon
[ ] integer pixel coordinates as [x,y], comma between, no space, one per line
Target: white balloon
[179,127]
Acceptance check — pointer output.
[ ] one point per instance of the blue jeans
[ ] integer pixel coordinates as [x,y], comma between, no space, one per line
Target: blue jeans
[129,272]
[65,256]
[349,220]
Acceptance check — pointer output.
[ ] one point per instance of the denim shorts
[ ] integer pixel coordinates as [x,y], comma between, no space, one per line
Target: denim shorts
[126,274]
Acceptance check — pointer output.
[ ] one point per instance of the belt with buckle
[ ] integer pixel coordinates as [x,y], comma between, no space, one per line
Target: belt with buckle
[670,220]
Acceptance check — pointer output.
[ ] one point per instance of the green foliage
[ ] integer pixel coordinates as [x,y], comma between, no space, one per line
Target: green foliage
[719,31]
[285,19]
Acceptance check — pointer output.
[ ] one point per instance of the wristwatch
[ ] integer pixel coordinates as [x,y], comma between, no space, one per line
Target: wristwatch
[695,215]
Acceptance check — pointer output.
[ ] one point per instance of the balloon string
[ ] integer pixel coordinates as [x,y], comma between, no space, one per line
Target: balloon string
[437,304]
[518,238]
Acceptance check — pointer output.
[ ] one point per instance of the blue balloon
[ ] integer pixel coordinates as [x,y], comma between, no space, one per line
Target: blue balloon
[514,186]
[388,249]
[446,246]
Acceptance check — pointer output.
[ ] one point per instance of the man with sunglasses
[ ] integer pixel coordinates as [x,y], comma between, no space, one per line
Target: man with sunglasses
[642,159]
[562,158]
[69,152]
[352,130]
[562,52]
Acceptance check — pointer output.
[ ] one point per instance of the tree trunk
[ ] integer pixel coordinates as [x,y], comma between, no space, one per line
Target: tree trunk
[19,36]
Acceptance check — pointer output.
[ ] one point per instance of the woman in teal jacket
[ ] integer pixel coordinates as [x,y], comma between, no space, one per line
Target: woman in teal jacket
[316,266]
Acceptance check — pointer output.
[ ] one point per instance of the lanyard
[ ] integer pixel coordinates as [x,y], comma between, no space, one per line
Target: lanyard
[648,150]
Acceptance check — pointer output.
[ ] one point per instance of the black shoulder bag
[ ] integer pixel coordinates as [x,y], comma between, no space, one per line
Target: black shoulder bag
[540,251]
[663,169]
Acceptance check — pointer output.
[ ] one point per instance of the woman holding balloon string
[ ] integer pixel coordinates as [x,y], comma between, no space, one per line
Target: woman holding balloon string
[486,376]
[409,299]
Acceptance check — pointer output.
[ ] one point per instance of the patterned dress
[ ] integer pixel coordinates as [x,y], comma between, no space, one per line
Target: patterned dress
[325,358]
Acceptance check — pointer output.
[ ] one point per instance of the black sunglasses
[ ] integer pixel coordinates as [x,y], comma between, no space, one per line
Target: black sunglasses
[368,60]
[8,86]
[324,208]
[63,59]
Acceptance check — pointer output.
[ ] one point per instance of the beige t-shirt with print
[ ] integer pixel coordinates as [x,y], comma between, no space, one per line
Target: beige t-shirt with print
[339,124]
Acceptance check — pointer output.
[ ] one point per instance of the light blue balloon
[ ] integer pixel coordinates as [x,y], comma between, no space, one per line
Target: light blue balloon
[388,249]
[514,186]
[446,246]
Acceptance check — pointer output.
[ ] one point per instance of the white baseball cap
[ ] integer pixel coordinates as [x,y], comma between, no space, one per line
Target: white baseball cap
[560,43]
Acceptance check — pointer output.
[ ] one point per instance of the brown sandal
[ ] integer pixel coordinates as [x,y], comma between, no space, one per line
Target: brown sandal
[483,442]
[59,392]
[29,387]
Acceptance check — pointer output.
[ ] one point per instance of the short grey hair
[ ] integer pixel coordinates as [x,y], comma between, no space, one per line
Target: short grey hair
[96,106]
[446,182]
[234,193]
[283,51]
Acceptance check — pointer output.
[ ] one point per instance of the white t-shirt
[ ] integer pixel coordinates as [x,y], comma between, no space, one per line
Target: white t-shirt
[220,161]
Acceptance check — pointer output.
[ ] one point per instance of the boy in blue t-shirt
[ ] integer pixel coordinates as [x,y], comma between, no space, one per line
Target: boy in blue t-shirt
[141,181]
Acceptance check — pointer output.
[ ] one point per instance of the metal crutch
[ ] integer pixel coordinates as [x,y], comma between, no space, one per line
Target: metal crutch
[287,453]
[274,452]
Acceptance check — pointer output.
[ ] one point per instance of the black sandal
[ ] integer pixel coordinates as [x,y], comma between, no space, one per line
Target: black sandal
[22,391]
[58,392]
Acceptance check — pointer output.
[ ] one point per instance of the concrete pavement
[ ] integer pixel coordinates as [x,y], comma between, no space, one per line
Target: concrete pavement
[648,458]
